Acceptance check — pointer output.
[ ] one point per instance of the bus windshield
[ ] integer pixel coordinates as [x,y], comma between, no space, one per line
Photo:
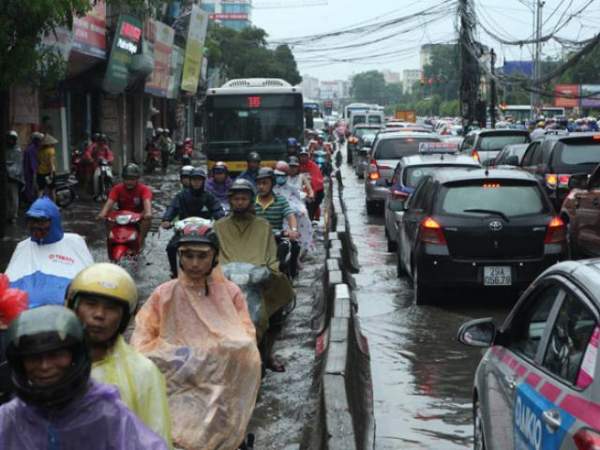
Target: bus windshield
[266,120]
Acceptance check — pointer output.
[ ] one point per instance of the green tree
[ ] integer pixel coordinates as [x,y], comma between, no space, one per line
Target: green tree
[393,93]
[441,75]
[368,87]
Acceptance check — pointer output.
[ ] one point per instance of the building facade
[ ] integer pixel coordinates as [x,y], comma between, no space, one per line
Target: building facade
[310,87]
[235,14]
[409,78]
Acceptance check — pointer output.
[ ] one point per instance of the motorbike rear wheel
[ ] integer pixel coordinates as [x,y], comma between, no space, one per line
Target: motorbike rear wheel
[65,195]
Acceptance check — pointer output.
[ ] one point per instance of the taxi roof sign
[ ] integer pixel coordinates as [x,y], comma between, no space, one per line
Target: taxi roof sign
[431,148]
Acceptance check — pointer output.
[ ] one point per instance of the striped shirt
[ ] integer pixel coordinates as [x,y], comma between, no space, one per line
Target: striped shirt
[274,212]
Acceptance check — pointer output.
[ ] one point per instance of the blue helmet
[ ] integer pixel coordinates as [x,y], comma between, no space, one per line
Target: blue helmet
[292,142]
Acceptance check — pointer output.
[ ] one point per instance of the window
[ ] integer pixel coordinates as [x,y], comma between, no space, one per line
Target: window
[417,196]
[595,179]
[527,158]
[571,333]
[396,148]
[497,143]
[580,154]
[412,175]
[528,324]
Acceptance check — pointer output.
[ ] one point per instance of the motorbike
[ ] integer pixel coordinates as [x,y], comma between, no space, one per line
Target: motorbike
[64,189]
[186,155]
[124,240]
[75,161]
[249,278]
[153,159]
[103,180]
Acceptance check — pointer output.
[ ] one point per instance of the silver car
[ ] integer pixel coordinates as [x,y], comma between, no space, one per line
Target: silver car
[387,150]
[538,384]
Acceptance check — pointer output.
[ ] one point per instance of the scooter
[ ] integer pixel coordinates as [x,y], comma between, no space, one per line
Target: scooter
[124,240]
[64,189]
[103,180]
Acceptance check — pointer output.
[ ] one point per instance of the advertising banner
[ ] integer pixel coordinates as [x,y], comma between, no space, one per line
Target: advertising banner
[590,95]
[161,37]
[126,43]
[566,95]
[229,16]
[89,32]
[177,57]
[194,50]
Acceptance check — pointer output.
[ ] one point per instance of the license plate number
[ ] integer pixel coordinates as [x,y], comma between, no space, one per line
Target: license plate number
[497,276]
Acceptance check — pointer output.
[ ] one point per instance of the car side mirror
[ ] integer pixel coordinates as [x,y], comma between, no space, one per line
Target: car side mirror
[478,332]
[512,160]
[578,181]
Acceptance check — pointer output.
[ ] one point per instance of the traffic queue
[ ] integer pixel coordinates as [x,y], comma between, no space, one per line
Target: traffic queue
[502,211]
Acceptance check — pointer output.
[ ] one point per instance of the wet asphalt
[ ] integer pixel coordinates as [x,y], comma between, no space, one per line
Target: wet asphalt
[422,377]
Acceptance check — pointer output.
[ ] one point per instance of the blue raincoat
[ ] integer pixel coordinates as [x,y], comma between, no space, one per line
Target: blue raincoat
[45,268]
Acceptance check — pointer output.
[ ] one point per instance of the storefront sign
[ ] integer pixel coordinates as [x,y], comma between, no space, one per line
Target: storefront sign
[590,95]
[161,37]
[24,105]
[126,43]
[194,50]
[177,57]
[229,16]
[566,96]
[89,32]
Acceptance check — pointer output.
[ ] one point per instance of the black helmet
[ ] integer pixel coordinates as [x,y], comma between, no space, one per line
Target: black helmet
[265,172]
[132,170]
[185,171]
[242,185]
[253,157]
[198,172]
[45,329]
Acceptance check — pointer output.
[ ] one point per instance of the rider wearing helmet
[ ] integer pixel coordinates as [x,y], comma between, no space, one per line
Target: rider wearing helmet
[311,168]
[219,184]
[292,147]
[192,202]
[199,327]
[184,176]
[131,195]
[272,207]
[35,264]
[250,173]
[244,237]
[105,298]
[58,405]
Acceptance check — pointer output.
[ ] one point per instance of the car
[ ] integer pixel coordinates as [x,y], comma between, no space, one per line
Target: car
[354,142]
[554,158]
[511,155]
[478,228]
[387,150]
[581,213]
[485,144]
[538,384]
[408,173]
[360,162]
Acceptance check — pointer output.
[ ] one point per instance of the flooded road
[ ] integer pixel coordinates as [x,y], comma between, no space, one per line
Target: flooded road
[422,377]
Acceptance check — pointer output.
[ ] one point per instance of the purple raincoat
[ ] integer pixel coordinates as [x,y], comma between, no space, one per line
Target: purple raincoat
[96,421]
[30,165]
[220,191]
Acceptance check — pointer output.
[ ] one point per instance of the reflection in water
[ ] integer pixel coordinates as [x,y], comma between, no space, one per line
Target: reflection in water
[422,376]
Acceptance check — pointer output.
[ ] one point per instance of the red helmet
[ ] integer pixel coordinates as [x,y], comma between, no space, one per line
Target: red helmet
[186,140]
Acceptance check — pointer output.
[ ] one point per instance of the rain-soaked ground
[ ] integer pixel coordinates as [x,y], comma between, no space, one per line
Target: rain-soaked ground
[284,398]
[422,376]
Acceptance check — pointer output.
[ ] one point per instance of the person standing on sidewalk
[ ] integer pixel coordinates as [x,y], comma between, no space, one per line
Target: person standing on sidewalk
[46,166]
[30,165]
[14,171]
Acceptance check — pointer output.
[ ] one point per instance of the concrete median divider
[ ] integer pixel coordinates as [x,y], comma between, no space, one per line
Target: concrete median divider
[344,419]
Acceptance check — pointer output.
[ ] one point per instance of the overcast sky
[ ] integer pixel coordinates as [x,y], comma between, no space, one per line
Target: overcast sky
[510,19]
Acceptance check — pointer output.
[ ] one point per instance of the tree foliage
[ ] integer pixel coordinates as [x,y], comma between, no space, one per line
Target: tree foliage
[441,75]
[244,54]
[368,87]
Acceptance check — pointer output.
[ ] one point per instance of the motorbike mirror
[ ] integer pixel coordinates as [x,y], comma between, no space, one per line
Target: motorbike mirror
[478,332]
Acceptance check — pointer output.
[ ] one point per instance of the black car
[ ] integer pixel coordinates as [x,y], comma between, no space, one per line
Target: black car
[511,155]
[478,228]
[554,158]
[485,144]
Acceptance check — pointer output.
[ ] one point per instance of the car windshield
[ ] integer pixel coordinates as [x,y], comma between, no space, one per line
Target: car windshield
[497,143]
[490,195]
[396,148]
[580,154]
[360,132]
[375,120]
[412,175]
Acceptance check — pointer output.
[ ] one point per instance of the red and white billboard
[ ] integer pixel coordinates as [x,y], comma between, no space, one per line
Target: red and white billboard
[89,32]
[566,95]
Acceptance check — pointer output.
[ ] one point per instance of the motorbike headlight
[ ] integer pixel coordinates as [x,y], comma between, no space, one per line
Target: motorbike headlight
[123,219]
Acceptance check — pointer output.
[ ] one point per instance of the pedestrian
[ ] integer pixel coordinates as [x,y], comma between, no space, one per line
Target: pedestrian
[14,171]
[46,166]
[57,404]
[30,166]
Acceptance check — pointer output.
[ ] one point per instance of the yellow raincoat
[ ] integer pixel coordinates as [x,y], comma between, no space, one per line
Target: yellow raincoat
[205,344]
[140,383]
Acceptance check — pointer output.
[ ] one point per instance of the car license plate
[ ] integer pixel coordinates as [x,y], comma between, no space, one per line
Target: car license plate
[497,276]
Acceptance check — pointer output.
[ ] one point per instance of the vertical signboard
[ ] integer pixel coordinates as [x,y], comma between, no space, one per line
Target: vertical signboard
[89,32]
[126,43]
[176,70]
[566,95]
[194,49]
[161,37]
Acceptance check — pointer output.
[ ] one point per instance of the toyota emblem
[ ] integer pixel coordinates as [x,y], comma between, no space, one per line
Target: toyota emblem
[495,225]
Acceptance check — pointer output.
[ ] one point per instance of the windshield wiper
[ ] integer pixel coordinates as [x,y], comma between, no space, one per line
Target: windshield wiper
[488,211]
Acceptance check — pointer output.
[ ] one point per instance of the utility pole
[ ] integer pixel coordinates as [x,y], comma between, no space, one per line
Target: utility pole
[492,88]
[537,63]
[469,65]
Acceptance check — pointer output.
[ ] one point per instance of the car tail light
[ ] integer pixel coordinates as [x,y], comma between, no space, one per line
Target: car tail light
[374,171]
[586,439]
[475,155]
[431,232]
[557,231]
[551,180]
[563,180]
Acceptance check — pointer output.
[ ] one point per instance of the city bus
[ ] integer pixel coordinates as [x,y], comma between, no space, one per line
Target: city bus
[523,112]
[252,114]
